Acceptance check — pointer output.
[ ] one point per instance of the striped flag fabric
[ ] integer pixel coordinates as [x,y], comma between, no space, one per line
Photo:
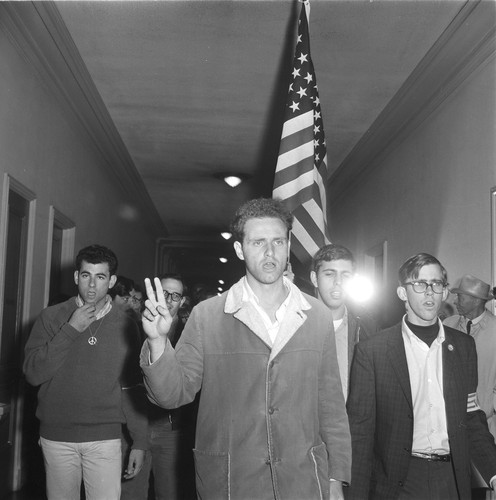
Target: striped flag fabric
[301,170]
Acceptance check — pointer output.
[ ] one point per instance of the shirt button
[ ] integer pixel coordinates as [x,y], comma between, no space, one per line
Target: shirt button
[271,411]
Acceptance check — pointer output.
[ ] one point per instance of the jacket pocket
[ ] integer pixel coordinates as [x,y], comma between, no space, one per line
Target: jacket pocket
[321,467]
[212,475]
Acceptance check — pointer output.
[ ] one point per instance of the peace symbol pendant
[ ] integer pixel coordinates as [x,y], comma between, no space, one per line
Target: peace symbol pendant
[92,340]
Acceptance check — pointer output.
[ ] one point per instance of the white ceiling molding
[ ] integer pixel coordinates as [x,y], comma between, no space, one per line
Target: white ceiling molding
[467,44]
[40,35]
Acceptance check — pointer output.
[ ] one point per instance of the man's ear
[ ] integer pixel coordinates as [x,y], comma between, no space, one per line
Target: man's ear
[445,293]
[313,278]
[112,280]
[76,277]
[402,293]
[239,250]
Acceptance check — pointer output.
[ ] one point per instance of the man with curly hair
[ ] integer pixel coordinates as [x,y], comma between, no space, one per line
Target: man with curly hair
[271,420]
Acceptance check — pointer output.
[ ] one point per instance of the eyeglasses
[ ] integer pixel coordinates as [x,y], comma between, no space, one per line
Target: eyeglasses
[131,298]
[422,286]
[174,296]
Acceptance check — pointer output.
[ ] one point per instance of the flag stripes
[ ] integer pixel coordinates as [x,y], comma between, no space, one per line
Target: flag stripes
[303,227]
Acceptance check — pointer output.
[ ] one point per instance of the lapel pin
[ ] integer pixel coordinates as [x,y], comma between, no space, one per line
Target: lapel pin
[450,347]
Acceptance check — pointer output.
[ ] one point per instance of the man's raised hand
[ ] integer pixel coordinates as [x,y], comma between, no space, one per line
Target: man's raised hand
[82,317]
[156,318]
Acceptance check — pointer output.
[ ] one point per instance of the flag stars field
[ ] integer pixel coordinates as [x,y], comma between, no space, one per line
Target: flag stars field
[294,106]
[302,92]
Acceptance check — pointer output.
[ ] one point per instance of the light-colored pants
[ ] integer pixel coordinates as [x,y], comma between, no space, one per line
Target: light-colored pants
[97,463]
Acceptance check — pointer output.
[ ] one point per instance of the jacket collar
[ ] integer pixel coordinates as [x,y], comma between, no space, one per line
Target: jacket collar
[245,312]
[482,320]
[397,356]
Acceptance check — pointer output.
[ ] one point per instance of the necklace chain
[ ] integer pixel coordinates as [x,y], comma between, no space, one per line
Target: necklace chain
[92,339]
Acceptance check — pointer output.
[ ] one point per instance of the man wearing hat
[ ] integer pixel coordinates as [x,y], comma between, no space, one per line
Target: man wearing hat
[473,318]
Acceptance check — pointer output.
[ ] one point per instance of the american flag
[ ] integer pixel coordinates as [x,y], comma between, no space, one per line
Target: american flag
[301,170]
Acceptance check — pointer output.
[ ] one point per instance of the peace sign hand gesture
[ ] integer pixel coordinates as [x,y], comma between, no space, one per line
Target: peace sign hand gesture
[156,318]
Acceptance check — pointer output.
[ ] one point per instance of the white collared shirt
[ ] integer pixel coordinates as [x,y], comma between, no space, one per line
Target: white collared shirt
[425,367]
[272,327]
[103,311]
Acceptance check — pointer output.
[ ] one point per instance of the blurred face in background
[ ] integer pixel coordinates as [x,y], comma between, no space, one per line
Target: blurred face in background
[173,292]
[136,300]
[469,306]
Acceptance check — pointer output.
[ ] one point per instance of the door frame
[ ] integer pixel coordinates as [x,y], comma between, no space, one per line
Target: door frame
[493,243]
[55,217]
[16,478]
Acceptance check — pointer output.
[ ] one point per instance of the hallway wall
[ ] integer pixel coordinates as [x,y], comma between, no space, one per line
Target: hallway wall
[431,193]
[58,152]
[45,148]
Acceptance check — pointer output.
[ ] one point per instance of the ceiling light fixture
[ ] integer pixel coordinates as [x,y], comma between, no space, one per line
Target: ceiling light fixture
[223,260]
[221,282]
[232,180]
[226,235]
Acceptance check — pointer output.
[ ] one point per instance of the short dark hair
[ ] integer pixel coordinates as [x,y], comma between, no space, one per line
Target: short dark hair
[260,208]
[412,266]
[332,252]
[177,277]
[97,254]
[122,287]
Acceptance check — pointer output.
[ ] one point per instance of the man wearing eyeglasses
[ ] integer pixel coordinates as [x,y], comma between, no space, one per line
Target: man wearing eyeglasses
[475,319]
[171,431]
[414,417]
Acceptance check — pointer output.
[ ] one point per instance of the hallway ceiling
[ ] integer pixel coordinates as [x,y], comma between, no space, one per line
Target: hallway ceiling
[196,89]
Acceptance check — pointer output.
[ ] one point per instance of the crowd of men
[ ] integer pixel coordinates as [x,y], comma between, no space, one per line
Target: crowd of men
[275,394]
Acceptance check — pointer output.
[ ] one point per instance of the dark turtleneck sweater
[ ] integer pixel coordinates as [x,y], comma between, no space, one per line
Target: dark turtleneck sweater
[425,333]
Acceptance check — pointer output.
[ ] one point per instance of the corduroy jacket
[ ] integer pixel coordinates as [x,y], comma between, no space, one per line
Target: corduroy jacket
[271,421]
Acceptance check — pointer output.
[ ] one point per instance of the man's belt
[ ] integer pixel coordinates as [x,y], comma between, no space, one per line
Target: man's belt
[433,457]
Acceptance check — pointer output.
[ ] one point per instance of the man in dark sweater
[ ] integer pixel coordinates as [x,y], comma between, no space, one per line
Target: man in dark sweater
[81,353]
